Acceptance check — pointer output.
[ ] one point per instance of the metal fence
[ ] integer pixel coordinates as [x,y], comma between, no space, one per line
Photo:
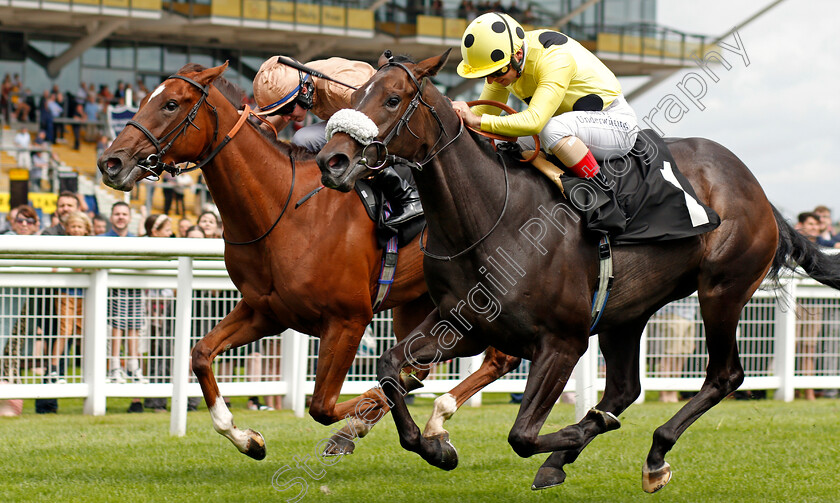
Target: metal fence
[74,309]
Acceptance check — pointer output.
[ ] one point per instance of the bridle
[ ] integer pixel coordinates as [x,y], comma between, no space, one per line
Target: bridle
[403,123]
[396,130]
[153,161]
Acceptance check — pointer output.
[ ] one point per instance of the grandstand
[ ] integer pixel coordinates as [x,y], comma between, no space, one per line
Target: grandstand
[64,42]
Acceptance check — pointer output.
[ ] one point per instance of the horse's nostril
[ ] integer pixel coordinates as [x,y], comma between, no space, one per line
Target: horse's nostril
[112,165]
[338,162]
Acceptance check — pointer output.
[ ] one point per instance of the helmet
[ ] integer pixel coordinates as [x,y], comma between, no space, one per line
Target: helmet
[489,44]
[277,86]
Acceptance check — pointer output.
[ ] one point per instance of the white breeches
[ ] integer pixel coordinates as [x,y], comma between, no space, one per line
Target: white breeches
[609,133]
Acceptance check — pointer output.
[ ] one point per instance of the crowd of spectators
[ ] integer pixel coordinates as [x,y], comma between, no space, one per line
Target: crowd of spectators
[470,10]
[51,343]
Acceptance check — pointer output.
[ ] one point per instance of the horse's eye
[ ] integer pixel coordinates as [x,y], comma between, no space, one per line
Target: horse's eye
[392,102]
[171,105]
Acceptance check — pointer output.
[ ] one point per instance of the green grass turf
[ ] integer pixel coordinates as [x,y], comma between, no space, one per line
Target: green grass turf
[763,451]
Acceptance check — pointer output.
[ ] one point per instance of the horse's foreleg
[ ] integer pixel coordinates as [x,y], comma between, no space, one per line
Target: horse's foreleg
[429,343]
[495,365]
[550,371]
[621,355]
[241,326]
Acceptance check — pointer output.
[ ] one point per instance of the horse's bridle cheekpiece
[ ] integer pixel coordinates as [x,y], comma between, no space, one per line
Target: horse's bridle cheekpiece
[403,122]
[154,160]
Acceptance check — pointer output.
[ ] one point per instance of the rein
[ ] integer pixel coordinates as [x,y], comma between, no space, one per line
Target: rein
[448,258]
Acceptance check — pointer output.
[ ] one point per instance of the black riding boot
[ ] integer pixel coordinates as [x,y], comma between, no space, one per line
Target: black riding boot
[404,199]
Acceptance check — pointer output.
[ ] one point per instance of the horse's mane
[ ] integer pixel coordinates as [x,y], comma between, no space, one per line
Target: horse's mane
[237,97]
[288,149]
[233,93]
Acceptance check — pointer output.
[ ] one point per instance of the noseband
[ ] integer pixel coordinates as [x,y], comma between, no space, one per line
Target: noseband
[153,161]
[403,122]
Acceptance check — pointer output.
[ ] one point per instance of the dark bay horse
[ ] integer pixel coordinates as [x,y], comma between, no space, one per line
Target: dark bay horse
[312,269]
[510,266]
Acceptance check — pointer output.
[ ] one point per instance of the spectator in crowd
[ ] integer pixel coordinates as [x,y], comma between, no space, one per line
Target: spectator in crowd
[211,224]
[67,203]
[58,107]
[100,225]
[826,229]
[6,98]
[673,336]
[6,223]
[93,111]
[12,303]
[184,225]
[23,141]
[126,313]
[40,166]
[168,184]
[194,231]
[70,300]
[161,324]
[76,110]
[809,312]
[105,94]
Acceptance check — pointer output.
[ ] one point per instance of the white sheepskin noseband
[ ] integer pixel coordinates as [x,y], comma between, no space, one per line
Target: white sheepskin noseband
[354,123]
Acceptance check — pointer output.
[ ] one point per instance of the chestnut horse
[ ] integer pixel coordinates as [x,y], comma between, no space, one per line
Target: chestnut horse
[312,269]
[496,284]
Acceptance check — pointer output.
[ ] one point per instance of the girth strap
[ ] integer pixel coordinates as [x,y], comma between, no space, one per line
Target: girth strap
[605,281]
[387,273]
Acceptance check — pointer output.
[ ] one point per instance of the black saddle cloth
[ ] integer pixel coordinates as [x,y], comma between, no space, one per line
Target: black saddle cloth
[374,203]
[650,199]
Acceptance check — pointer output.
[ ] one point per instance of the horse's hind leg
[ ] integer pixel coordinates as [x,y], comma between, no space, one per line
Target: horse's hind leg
[723,376]
[621,354]
[495,365]
[241,326]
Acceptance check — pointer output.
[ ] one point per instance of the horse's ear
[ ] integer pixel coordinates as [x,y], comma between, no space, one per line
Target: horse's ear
[209,75]
[430,67]
[386,57]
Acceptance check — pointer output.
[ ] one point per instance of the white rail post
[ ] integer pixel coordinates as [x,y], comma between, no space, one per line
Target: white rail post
[181,352]
[586,375]
[96,341]
[785,330]
[295,350]
[468,366]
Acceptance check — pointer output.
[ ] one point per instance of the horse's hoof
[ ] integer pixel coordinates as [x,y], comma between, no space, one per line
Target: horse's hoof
[447,456]
[548,476]
[256,445]
[655,480]
[339,446]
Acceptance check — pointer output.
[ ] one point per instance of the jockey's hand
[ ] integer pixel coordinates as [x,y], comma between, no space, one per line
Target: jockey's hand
[279,121]
[463,110]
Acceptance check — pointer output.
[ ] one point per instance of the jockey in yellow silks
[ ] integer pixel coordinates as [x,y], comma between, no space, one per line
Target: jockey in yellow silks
[574,101]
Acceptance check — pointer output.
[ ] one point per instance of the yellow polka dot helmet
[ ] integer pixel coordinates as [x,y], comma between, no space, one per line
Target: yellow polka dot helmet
[488,45]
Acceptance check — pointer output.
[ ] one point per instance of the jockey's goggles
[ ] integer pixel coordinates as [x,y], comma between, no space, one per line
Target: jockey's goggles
[500,72]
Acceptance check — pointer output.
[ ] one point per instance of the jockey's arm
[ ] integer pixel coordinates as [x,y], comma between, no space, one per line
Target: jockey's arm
[553,80]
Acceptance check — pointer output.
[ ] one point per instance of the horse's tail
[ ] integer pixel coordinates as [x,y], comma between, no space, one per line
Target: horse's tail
[796,250]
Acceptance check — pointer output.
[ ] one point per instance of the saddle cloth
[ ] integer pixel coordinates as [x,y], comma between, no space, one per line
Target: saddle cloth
[650,199]
[374,203]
